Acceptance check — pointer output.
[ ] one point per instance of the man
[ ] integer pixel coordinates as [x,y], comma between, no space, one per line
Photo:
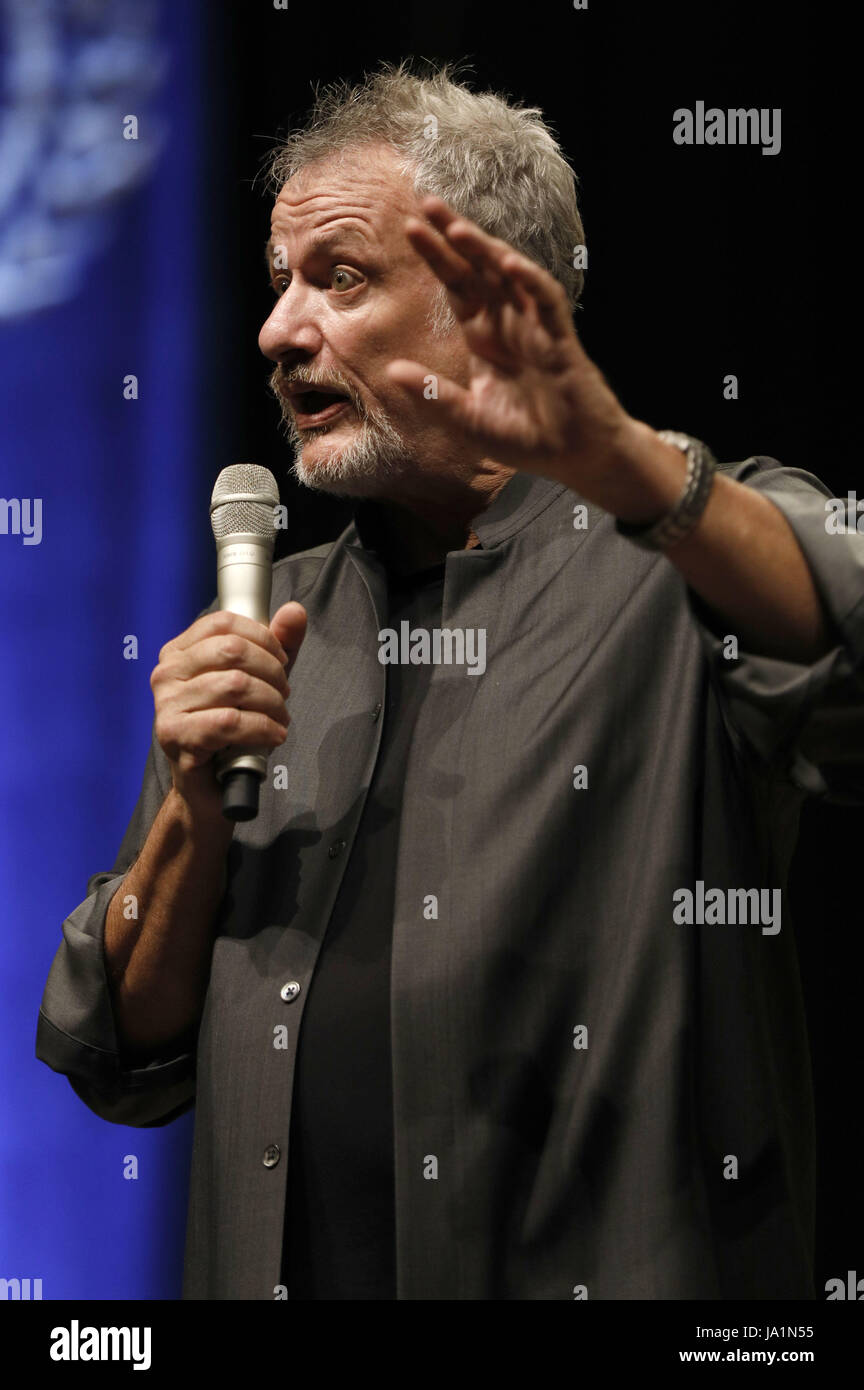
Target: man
[496,998]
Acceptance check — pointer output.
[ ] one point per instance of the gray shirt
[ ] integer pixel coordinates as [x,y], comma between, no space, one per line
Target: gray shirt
[592,1095]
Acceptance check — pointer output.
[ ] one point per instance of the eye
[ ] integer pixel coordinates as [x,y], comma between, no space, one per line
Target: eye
[279,284]
[340,270]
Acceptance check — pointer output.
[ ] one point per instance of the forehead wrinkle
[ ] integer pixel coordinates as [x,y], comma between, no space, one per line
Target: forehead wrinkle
[360,196]
[335,231]
[323,209]
[336,221]
[333,235]
[361,206]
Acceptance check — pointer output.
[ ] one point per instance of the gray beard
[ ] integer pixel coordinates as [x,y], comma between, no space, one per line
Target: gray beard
[365,467]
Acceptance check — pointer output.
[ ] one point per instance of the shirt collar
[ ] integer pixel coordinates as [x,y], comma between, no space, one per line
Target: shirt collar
[521,498]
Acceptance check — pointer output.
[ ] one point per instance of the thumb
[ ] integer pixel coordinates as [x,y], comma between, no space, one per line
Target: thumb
[288,626]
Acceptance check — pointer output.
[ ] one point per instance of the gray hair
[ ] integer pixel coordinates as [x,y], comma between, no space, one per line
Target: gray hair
[493,162]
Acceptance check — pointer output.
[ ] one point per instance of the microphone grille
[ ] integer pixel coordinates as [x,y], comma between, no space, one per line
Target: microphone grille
[243,500]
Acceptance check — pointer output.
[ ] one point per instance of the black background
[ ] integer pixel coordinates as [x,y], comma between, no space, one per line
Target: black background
[703,261]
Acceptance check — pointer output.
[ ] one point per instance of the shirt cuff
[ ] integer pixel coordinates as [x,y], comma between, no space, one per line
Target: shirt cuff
[805,719]
[76,1033]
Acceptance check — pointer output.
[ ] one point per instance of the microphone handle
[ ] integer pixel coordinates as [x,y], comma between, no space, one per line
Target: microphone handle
[245,578]
[240,790]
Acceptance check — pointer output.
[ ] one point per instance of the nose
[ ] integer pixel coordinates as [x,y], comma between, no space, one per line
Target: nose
[292,326]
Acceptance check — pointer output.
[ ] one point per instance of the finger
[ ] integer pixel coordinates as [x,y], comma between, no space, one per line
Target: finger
[229,690]
[485,253]
[470,286]
[208,731]
[288,626]
[222,622]
[415,378]
[453,271]
[224,653]
[481,249]
[547,293]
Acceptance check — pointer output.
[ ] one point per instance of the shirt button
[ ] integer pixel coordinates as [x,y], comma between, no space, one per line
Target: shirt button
[272,1155]
[290,991]
[336,848]
[377,710]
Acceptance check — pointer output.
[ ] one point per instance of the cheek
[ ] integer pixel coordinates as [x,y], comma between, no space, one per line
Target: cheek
[366,347]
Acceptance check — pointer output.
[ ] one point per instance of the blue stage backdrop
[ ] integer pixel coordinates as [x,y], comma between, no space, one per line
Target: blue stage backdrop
[104,275]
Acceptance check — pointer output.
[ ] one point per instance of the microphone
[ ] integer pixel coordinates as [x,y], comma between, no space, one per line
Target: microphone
[242,516]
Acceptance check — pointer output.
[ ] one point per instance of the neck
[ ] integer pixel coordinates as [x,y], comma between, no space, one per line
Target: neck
[420,531]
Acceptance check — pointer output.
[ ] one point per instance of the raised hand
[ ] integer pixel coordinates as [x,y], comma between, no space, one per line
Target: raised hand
[534,401]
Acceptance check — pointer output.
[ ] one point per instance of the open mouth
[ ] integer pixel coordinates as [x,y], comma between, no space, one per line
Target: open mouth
[316,407]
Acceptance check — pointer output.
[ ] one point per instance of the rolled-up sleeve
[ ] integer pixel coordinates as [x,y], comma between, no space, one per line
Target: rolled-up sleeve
[804,720]
[76,1032]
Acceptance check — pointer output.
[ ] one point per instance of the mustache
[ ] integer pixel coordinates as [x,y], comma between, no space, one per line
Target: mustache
[281,381]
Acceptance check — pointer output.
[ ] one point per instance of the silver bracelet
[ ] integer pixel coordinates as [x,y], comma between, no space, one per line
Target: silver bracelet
[701,466]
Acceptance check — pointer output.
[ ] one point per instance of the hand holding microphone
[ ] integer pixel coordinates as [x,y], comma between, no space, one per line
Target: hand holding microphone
[220,687]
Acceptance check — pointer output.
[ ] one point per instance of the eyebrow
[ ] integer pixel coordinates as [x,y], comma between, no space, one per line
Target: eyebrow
[322,243]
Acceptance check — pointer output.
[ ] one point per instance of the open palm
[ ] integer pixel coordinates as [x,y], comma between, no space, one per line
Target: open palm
[534,401]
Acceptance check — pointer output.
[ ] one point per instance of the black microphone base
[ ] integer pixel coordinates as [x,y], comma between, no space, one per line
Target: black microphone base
[240,795]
